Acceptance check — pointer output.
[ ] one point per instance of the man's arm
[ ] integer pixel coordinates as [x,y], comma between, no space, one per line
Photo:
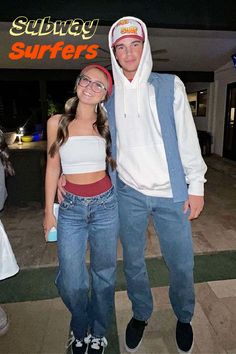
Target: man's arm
[190,152]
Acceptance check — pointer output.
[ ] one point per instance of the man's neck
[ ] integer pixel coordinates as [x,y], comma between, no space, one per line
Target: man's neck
[129,76]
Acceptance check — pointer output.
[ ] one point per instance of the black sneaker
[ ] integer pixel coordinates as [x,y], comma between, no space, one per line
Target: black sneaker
[96,345]
[184,337]
[77,346]
[134,334]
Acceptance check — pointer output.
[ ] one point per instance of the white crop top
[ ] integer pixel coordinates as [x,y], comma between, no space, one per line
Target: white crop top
[82,154]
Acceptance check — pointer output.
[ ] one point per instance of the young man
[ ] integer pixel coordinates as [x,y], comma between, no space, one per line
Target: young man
[157,152]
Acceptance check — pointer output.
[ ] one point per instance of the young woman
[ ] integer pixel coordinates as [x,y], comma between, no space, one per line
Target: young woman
[79,142]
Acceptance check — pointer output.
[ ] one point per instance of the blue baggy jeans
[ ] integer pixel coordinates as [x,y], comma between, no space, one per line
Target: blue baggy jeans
[92,219]
[174,230]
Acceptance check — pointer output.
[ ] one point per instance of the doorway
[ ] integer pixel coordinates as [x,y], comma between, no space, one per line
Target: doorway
[230,123]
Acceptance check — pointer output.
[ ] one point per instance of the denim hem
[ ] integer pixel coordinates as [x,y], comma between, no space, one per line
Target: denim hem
[141,319]
[184,321]
[95,336]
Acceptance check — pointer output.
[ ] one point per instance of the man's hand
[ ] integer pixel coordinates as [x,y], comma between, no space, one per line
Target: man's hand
[195,203]
[60,188]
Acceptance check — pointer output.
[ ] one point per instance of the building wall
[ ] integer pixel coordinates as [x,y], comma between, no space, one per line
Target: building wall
[223,76]
[214,121]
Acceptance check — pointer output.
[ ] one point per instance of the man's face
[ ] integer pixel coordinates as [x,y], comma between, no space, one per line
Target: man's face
[128,52]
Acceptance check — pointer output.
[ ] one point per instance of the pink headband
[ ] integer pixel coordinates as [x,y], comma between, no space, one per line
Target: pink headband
[105,71]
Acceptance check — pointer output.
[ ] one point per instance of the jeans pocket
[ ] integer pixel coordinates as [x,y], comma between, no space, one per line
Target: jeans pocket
[66,204]
[110,202]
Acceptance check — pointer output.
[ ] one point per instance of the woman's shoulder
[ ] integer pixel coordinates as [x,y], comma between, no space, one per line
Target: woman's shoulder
[52,124]
[54,120]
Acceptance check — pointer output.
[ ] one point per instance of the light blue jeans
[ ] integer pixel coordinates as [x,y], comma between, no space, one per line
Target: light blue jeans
[92,219]
[174,230]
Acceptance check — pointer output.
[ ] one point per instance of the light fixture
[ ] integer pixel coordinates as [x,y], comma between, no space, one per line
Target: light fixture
[20,133]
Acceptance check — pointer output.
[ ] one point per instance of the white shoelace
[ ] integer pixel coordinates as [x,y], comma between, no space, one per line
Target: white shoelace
[97,343]
[78,343]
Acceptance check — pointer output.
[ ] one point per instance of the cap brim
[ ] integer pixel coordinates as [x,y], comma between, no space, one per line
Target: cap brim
[128,36]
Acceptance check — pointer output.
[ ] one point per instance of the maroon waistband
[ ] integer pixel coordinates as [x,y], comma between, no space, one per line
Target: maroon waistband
[91,189]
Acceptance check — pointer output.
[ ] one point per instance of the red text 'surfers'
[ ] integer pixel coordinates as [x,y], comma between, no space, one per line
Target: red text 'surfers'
[66,51]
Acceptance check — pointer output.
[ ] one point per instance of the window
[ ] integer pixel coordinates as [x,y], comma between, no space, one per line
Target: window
[198,103]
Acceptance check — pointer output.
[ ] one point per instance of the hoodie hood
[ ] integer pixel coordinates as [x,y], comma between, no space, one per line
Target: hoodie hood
[131,98]
[145,66]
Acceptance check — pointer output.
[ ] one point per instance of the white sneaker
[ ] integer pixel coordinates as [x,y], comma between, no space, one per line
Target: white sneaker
[4,323]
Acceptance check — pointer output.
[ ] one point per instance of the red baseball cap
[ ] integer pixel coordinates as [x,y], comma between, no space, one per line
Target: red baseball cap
[127,27]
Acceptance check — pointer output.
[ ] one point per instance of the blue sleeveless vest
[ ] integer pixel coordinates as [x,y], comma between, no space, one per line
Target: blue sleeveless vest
[164,91]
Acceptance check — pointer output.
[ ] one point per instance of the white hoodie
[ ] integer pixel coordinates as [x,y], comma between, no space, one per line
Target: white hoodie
[141,158]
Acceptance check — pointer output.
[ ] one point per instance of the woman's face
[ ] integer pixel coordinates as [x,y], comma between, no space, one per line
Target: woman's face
[92,86]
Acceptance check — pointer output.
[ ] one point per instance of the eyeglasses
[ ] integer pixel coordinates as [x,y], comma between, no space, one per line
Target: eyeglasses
[96,86]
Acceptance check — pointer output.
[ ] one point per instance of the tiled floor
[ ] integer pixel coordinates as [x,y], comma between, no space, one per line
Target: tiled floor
[36,327]
[41,327]
[214,322]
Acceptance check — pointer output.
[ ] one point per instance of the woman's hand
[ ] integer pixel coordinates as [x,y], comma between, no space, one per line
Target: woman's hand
[48,223]
[60,188]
